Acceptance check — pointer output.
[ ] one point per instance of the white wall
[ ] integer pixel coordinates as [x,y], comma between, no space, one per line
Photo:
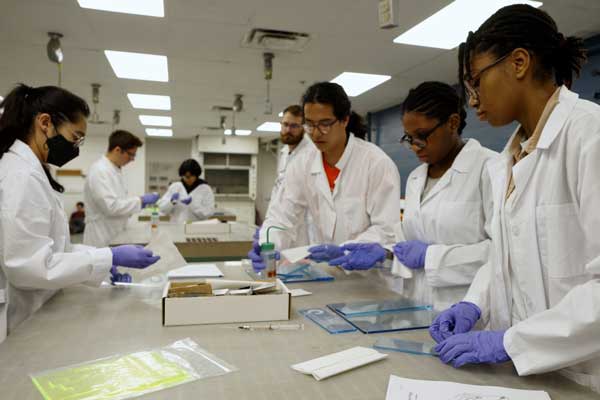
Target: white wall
[93,148]
[266,175]
[168,150]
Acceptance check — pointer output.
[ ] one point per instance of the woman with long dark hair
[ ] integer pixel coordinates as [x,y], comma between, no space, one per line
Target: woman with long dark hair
[41,126]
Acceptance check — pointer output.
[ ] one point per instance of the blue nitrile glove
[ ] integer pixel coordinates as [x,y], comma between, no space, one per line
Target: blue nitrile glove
[149,198]
[133,256]
[360,256]
[460,318]
[254,254]
[187,201]
[473,348]
[325,252]
[411,253]
[116,276]
[174,198]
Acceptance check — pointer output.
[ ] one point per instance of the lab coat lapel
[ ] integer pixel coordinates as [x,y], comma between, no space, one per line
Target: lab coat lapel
[327,219]
[441,185]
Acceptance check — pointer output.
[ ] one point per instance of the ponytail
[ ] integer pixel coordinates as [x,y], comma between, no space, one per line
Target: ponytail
[24,103]
[570,56]
[357,126]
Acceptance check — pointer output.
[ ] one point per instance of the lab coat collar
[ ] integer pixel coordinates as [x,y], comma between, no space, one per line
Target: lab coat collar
[556,121]
[23,151]
[467,156]
[347,152]
[110,164]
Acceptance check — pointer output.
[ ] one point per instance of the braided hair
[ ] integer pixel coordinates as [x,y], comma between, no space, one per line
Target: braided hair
[524,26]
[436,100]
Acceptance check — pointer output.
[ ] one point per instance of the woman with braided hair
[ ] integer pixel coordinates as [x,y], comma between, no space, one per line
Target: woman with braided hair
[539,293]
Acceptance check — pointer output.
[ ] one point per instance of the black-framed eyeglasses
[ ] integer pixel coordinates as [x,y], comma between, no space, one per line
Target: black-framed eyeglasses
[472,84]
[420,139]
[294,126]
[323,126]
[130,154]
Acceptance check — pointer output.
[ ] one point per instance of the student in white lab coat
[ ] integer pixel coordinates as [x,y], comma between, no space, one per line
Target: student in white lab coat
[41,126]
[350,187]
[448,201]
[108,203]
[191,199]
[296,143]
[540,291]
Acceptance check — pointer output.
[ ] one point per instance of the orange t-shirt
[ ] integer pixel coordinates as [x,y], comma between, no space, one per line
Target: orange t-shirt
[332,174]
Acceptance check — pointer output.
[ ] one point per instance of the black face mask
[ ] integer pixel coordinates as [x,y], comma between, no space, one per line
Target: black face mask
[60,150]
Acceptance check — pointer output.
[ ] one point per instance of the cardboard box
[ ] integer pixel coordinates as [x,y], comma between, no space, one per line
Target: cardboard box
[226,309]
[203,229]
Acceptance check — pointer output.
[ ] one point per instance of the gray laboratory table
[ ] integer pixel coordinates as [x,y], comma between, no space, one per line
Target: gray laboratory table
[82,324]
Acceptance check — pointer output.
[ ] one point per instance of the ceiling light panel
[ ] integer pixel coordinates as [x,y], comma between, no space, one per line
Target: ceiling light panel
[140,66]
[151,8]
[355,84]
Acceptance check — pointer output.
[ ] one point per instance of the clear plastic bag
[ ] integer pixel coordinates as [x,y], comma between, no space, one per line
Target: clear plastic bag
[124,376]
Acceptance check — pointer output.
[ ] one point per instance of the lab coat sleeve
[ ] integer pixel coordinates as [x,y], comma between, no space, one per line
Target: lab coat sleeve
[567,333]
[455,265]
[289,212]
[28,257]
[164,203]
[203,202]
[383,203]
[109,202]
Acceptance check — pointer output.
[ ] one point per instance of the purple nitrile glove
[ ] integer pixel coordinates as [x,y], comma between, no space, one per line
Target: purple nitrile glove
[411,253]
[325,252]
[149,198]
[187,201]
[255,256]
[174,198]
[133,256]
[360,256]
[473,348]
[116,276]
[460,318]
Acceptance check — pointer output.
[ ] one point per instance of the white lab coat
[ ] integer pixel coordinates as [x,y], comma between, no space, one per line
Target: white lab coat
[554,220]
[107,203]
[305,230]
[454,219]
[36,256]
[201,207]
[364,206]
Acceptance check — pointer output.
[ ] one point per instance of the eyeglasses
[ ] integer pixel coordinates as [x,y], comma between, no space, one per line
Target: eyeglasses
[287,125]
[472,84]
[79,139]
[421,138]
[130,154]
[323,126]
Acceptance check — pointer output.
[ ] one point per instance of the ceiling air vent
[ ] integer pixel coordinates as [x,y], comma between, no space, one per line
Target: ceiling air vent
[270,39]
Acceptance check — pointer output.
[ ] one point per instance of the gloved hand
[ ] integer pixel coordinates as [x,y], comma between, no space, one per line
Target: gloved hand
[325,252]
[459,318]
[174,198]
[133,256]
[411,253]
[473,348]
[187,201]
[116,276]
[149,198]
[254,254]
[360,256]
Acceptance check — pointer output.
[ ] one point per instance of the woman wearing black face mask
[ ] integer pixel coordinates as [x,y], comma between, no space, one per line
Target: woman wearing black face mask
[41,126]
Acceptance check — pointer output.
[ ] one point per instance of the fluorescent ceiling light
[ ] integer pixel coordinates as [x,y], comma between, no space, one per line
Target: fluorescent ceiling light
[145,67]
[238,132]
[152,8]
[149,101]
[355,84]
[449,27]
[159,132]
[1,98]
[156,120]
[270,127]
[280,114]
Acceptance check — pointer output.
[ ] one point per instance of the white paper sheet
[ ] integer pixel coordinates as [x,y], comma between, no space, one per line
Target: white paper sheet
[195,270]
[296,254]
[206,222]
[398,268]
[336,363]
[402,388]
[300,292]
